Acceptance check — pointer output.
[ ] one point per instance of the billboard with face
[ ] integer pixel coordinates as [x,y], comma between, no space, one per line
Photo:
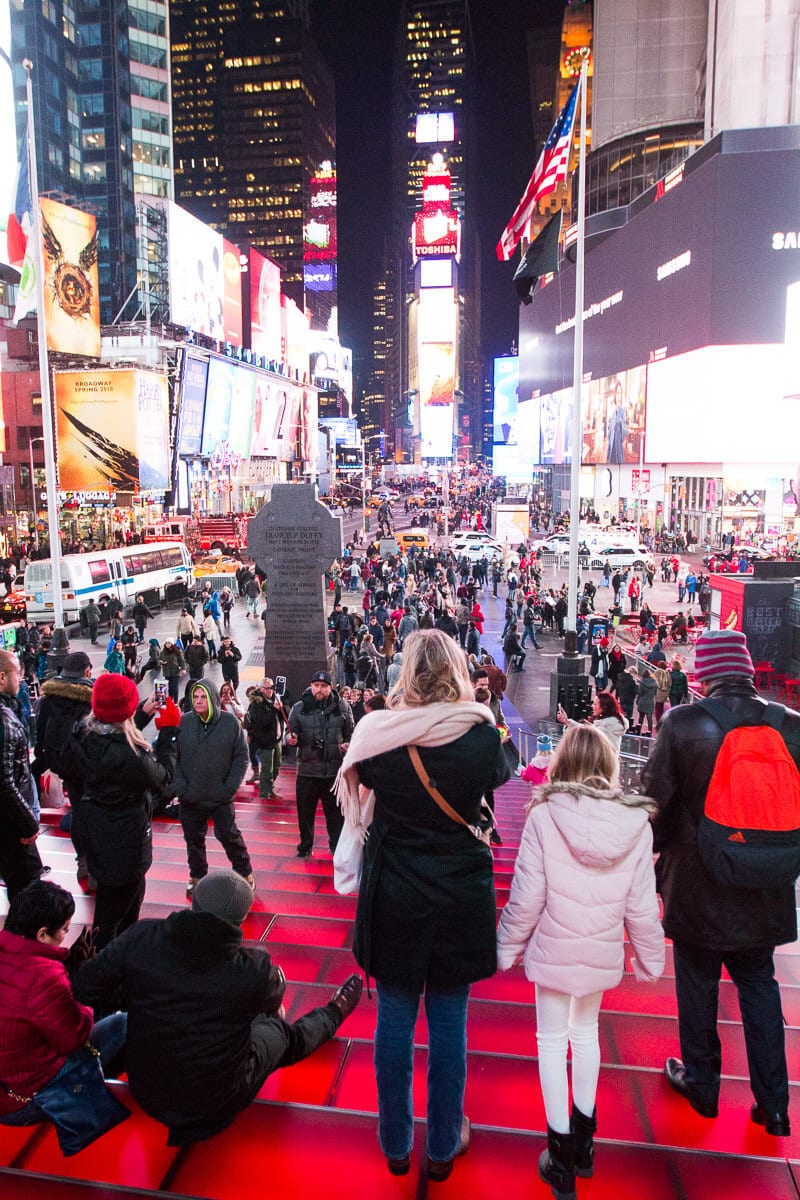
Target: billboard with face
[196,284]
[232,293]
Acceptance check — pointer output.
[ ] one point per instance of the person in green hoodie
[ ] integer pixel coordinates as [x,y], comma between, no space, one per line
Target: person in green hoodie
[211,764]
[115,662]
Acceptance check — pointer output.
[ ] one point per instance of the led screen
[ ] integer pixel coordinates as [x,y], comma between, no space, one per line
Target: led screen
[613,417]
[435,127]
[436,273]
[512,463]
[196,286]
[265,307]
[506,399]
[723,404]
[194,376]
[232,293]
[436,318]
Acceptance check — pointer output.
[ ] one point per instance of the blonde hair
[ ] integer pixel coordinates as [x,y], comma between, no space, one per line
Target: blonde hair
[584,756]
[133,736]
[434,670]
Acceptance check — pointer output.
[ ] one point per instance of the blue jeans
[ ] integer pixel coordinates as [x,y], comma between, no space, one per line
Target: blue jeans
[446,1013]
[108,1038]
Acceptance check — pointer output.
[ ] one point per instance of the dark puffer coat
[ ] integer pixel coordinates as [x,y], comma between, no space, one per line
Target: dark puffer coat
[426,906]
[321,726]
[119,787]
[697,909]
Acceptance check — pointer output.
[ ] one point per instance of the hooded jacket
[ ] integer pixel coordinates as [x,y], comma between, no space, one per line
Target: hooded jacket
[583,877]
[212,754]
[172,661]
[321,727]
[191,991]
[64,703]
[40,1020]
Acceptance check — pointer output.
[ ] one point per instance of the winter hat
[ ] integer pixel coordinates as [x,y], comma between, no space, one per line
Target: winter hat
[224,894]
[722,652]
[75,665]
[544,744]
[321,677]
[114,698]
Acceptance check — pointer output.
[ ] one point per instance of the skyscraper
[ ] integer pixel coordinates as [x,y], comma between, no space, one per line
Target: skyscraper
[253,107]
[83,114]
[431,115]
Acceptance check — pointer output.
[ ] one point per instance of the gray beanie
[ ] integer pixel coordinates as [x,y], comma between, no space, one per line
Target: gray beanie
[224,894]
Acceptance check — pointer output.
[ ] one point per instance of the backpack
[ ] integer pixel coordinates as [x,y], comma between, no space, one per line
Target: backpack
[749,834]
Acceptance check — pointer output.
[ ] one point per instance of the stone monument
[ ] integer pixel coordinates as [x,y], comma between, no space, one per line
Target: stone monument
[294,539]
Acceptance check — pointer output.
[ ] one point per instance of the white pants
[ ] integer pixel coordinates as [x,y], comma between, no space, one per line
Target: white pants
[560,1020]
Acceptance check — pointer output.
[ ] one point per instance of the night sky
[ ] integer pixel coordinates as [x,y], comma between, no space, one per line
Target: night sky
[357,38]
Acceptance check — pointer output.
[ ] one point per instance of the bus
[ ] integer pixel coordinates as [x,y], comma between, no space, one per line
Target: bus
[125,572]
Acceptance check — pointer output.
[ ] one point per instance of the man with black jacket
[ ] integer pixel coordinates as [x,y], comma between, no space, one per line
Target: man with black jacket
[713,925]
[265,721]
[321,725]
[206,1024]
[65,701]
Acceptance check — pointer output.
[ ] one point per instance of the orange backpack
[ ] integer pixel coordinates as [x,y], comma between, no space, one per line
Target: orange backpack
[749,834]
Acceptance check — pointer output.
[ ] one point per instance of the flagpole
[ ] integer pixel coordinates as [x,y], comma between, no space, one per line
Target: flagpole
[570,641]
[60,645]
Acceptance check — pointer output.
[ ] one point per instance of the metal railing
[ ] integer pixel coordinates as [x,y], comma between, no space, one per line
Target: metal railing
[633,755]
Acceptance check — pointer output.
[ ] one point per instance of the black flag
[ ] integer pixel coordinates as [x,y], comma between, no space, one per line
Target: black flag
[540,258]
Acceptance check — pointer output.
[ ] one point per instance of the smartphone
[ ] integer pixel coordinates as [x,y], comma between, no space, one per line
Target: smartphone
[160,693]
[280,685]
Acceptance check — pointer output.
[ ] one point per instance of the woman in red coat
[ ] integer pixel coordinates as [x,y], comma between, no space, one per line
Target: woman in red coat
[477,616]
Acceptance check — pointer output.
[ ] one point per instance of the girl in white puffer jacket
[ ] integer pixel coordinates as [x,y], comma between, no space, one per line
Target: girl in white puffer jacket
[584,875]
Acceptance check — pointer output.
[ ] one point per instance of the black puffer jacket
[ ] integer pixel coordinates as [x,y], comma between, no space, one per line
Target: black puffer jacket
[697,909]
[191,992]
[119,787]
[321,727]
[426,906]
[64,702]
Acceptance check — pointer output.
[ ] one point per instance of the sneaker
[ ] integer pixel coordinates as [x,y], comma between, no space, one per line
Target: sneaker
[191,885]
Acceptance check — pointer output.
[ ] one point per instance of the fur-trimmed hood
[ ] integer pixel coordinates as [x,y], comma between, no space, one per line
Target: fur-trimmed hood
[599,826]
[80,691]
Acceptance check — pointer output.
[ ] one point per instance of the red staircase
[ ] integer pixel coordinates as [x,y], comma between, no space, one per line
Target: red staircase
[312,1131]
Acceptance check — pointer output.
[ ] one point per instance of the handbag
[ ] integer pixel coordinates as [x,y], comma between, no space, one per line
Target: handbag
[78,1102]
[477,831]
[348,857]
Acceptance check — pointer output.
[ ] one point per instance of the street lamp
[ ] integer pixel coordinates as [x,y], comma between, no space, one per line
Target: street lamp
[31,442]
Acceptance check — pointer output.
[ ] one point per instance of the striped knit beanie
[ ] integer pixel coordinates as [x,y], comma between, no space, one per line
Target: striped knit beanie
[722,652]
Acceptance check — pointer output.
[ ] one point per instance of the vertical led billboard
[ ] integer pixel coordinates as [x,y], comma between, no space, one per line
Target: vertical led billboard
[194,376]
[71,283]
[265,307]
[506,400]
[320,238]
[196,285]
[436,370]
[232,293]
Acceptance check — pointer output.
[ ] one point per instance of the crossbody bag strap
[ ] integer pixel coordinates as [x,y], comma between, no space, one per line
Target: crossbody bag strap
[432,790]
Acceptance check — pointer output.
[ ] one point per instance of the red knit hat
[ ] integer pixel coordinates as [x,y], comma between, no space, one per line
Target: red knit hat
[114,698]
[722,652]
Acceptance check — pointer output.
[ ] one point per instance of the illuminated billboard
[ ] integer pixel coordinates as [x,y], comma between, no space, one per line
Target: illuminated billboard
[9,153]
[294,337]
[232,293]
[265,307]
[436,236]
[613,417]
[436,273]
[112,430]
[723,404]
[230,400]
[71,283]
[435,127]
[193,379]
[319,231]
[319,276]
[506,400]
[196,286]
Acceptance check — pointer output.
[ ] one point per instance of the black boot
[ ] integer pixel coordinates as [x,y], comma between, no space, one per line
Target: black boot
[582,1129]
[557,1164]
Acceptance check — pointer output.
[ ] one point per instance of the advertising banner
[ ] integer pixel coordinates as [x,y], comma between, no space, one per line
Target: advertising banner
[613,417]
[319,232]
[71,284]
[232,293]
[269,408]
[112,430]
[194,376]
[196,287]
[265,307]
[506,400]
[294,337]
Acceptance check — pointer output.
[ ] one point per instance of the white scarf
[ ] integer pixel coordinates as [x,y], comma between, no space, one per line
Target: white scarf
[388,729]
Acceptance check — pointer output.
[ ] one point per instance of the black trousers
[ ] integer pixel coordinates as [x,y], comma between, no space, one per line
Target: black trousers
[276,1043]
[309,792]
[195,823]
[19,865]
[115,908]
[697,975]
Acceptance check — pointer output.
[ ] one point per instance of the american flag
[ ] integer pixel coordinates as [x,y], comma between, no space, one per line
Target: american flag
[550,170]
